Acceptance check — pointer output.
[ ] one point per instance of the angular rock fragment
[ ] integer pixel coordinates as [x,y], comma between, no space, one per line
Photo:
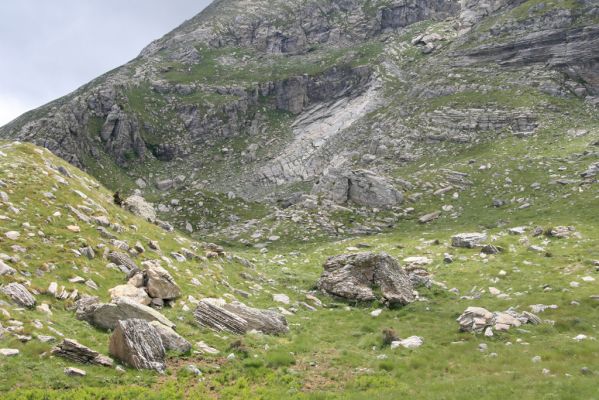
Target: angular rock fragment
[468,240]
[136,294]
[140,207]
[71,371]
[137,343]
[357,276]
[238,318]
[19,294]
[160,284]
[5,269]
[122,259]
[171,340]
[75,351]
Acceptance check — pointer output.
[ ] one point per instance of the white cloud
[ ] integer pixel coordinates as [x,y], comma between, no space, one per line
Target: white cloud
[11,108]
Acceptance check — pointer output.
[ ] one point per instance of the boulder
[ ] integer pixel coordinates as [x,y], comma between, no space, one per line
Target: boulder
[106,315]
[171,340]
[19,294]
[160,284]
[468,240]
[122,260]
[140,207]
[362,187]
[357,276]
[238,318]
[75,351]
[136,294]
[6,269]
[137,343]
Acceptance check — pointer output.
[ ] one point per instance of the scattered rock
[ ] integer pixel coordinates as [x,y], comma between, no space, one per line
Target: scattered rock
[19,294]
[139,206]
[9,352]
[477,319]
[5,269]
[468,240]
[412,342]
[71,371]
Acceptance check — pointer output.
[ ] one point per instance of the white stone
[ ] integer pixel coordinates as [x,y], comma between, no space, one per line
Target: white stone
[9,352]
[281,298]
[376,312]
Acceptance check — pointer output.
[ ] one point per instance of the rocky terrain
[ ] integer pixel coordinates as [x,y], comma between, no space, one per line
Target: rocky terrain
[332,199]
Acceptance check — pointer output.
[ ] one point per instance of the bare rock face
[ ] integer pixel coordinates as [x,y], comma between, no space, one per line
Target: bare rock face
[136,294]
[19,294]
[238,318]
[137,343]
[468,240]
[140,207]
[355,276]
[171,340]
[362,187]
[160,284]
[107,315]
[75,351]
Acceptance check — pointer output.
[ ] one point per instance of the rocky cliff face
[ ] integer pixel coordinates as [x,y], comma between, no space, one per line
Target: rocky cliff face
[256,99]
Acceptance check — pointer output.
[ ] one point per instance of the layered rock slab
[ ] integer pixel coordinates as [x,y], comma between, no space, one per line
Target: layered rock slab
[238,318]
[138,344]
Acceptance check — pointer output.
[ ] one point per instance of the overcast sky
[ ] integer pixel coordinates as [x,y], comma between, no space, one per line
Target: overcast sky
[49,48]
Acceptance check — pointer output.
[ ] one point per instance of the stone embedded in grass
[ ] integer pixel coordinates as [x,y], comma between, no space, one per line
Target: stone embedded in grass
[280,298]
[424,219]
[206,349]
[71,371]
[12,235]
[412,342]
[9,352]
[19,294]
[5,269]
[468,240]
[355,276]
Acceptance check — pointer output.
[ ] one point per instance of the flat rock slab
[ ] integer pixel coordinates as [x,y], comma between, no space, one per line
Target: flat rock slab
[75,351]
[137,343]
[106,315]
[468,240]
[19,294]
[357,276]
[9,352]
[238,318]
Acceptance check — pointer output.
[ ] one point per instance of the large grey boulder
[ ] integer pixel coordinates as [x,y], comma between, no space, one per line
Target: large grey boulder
[160,284]
[107,315]
[362,187]
[358,277]
[137,343]
[140,207]
[75,351]
[19,294]
[171,340]
[136,294]
[238,318]
[468,240]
